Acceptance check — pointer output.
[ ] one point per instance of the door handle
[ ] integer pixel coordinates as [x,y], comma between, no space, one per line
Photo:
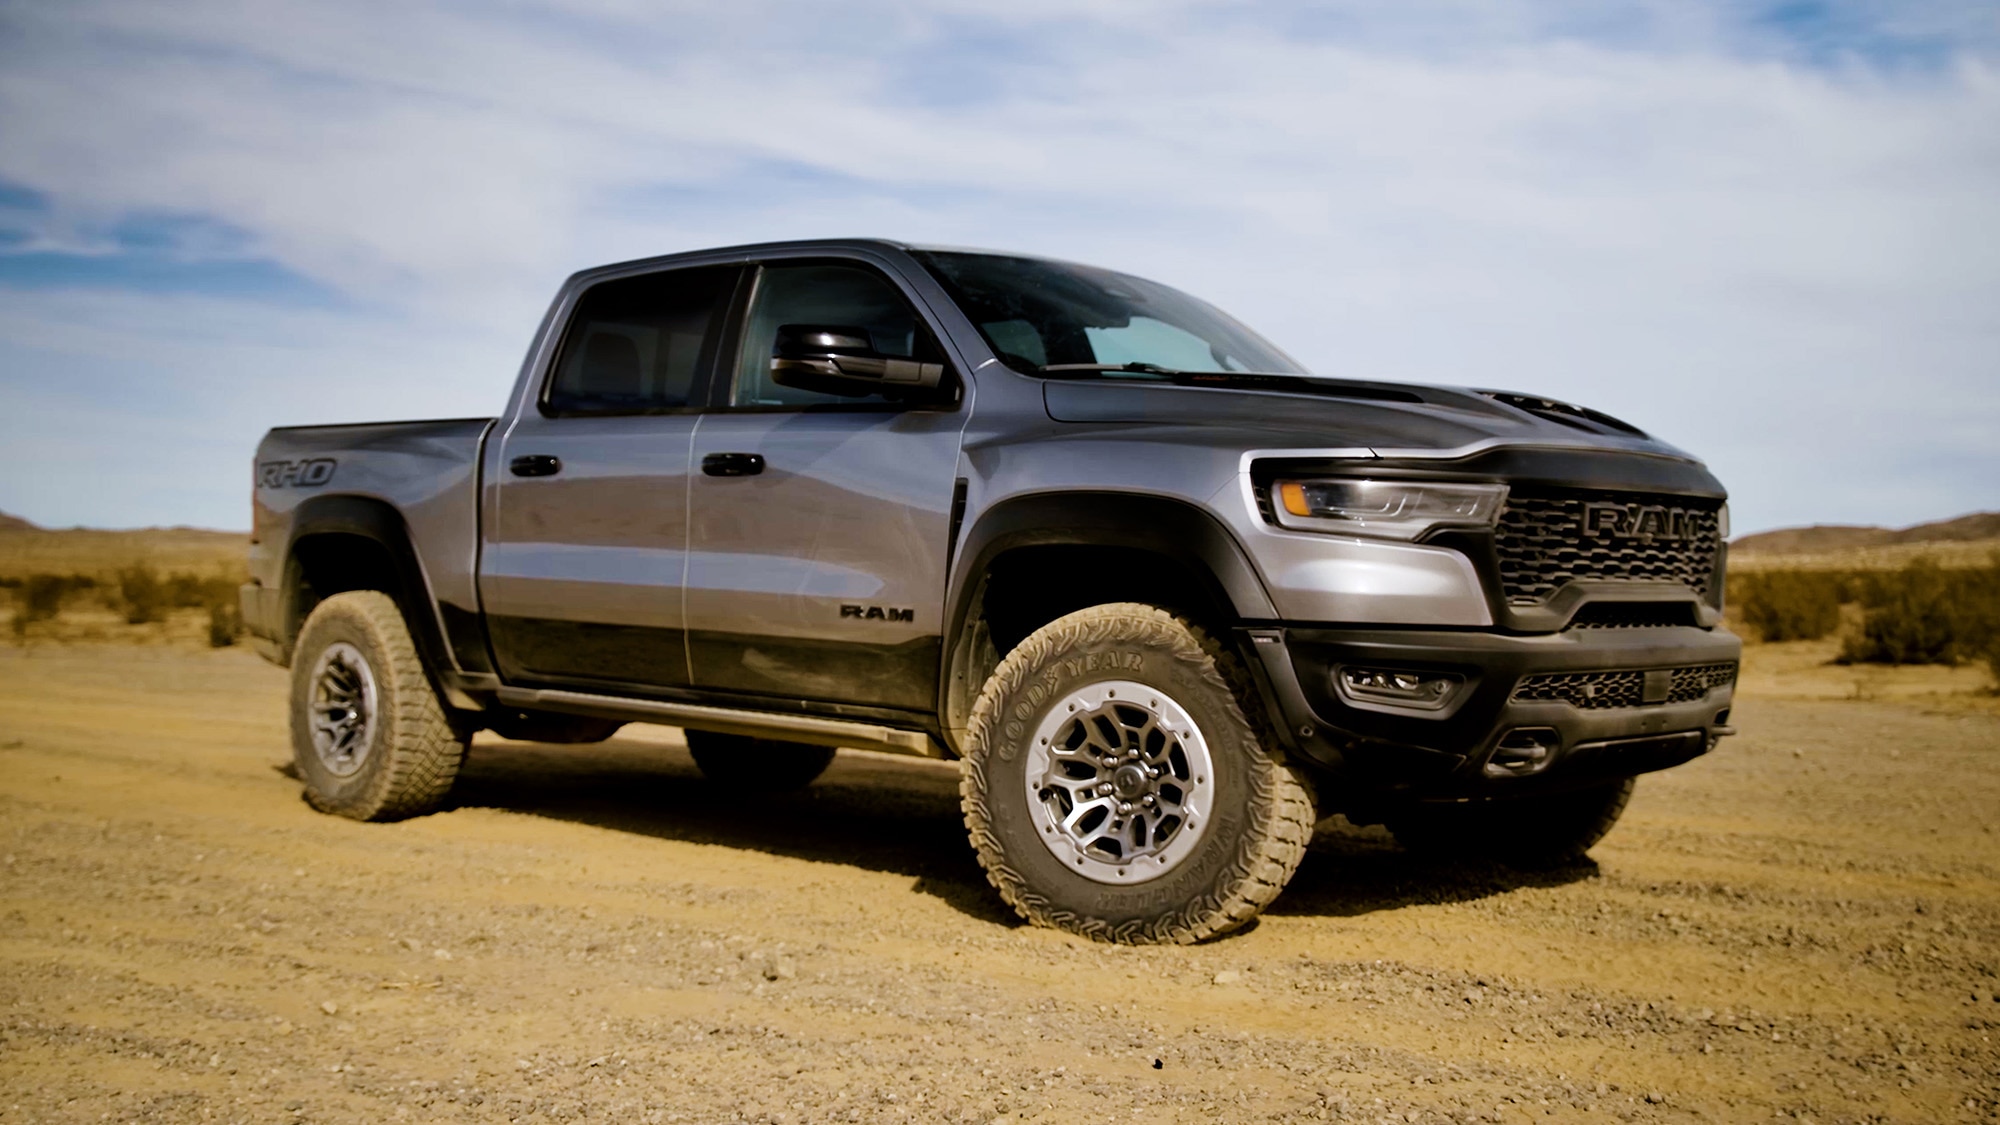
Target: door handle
[535,465]
[733,464]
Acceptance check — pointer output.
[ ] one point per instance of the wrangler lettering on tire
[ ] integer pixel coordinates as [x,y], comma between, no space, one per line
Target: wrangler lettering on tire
[1128,795]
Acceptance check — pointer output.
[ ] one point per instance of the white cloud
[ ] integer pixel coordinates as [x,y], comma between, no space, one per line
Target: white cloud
[1772,263]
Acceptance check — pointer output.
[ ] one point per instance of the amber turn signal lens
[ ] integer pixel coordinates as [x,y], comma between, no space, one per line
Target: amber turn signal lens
[1294,496]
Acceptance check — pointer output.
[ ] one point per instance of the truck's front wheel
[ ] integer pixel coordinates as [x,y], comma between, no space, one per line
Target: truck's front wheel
[1116,787]
[370,738]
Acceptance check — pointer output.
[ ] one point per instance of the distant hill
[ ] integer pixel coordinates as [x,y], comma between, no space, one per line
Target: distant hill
[1831,538]
[28,549]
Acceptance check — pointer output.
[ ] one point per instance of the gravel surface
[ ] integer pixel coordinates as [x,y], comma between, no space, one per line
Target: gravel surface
[1803,926]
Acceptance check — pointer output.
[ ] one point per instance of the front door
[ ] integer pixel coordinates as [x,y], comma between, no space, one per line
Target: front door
[582,567]
[819,526]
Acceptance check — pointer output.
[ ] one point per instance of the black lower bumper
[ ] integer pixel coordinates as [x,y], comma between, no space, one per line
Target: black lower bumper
[1600,702]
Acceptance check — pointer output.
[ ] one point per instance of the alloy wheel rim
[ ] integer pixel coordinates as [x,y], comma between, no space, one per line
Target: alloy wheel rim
[1119,781]
[344,708]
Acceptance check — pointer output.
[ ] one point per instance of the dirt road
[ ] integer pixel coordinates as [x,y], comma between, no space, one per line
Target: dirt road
[1806,925]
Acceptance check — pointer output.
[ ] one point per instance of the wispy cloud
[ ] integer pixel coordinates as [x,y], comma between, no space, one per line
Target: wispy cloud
[1769,233]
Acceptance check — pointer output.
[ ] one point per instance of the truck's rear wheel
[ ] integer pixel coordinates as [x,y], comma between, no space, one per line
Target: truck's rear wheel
[1546,830]
[762,765]
[1116,787]
[370,737]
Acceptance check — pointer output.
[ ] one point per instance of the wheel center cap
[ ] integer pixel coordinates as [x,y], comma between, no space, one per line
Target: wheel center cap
[1129,781]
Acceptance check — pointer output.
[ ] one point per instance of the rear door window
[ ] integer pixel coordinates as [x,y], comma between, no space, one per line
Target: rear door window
[641,345]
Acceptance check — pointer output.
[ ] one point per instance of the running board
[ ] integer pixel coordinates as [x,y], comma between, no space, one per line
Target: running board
[727,720]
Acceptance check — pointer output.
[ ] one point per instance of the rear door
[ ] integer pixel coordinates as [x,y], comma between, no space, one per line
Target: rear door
[582,566]
[820,525]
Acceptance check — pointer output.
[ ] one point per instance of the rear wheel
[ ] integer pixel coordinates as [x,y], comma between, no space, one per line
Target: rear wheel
[1116,785]
[1545,830]
[370,738]
[764,765]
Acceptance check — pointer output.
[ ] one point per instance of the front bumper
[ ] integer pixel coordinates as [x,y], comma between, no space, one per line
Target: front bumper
[1450,751]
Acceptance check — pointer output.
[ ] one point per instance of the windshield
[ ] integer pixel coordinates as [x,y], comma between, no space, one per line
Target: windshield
[1038,315]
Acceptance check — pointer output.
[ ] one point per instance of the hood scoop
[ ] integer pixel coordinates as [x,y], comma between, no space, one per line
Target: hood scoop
[1566,414]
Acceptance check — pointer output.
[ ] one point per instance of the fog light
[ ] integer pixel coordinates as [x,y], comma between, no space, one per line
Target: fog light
[1522,751]
[1426,691]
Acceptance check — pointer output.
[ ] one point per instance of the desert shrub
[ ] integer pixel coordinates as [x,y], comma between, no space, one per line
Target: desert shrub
[39,597]
[197,591]
[225,622]
[1791,605]
[1923,614]
[143,594]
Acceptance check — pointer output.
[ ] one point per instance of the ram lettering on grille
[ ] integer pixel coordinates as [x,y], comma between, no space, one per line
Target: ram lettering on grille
[1545,540]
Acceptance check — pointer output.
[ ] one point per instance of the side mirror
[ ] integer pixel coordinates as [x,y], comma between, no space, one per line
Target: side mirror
[843,361]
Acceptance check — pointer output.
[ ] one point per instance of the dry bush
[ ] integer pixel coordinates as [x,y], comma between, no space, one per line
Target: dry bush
[139,593]
[225,624]
[39,597]
[1790,605]
[143,594]
[1924,614]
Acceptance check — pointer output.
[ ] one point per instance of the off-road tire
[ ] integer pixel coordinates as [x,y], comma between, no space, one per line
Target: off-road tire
[1259,825]
[1546,830]
[415,748]
[757,765]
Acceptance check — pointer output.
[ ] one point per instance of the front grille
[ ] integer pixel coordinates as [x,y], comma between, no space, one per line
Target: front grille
[1594,691]
[1545,539]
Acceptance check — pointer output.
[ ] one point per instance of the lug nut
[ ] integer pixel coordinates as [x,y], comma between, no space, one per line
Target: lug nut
[1147,800]
[1104,790]
[1152,771]
[1124,807]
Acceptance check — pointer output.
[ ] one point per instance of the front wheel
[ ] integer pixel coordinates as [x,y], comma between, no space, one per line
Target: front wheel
[1115,786]
[1545,830]
[370,738]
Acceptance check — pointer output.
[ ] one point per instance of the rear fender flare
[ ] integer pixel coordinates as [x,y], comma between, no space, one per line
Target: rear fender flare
[376,520]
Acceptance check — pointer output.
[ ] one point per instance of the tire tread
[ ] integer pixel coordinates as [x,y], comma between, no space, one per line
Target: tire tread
[1281,798]
[422,747]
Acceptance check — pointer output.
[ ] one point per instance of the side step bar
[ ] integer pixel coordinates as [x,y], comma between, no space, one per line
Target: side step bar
[727,720]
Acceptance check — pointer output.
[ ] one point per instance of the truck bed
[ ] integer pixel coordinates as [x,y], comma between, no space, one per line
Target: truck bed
[424,473]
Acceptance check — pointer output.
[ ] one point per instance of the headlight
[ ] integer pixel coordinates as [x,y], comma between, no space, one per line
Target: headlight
[1389,508]
[1722,523]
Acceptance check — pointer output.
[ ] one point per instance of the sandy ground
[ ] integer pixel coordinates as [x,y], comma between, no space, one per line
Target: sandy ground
[1803,926]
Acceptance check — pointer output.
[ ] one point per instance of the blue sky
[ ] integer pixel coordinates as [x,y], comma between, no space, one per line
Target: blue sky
[1768,232]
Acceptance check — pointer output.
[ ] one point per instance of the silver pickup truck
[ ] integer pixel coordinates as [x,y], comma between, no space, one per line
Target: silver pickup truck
[1166,596]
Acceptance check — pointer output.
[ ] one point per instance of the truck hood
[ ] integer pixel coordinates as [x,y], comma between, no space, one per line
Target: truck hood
[1381,418]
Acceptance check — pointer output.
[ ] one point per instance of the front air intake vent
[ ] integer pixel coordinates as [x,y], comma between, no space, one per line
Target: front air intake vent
[1595,691]
[1633,615]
